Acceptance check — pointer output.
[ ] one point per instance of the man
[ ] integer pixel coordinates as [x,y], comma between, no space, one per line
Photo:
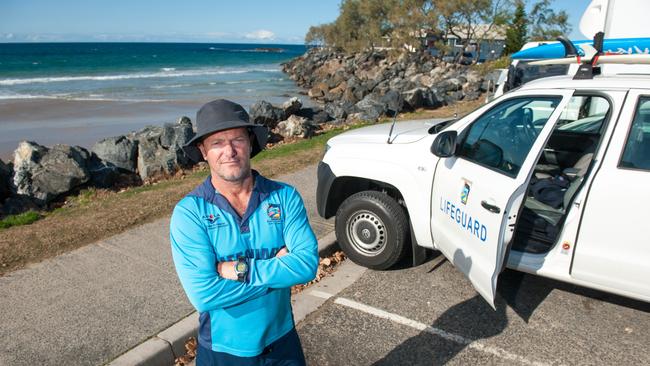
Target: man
[239,242]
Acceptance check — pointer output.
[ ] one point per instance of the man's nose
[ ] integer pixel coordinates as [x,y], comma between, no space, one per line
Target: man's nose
[230,149]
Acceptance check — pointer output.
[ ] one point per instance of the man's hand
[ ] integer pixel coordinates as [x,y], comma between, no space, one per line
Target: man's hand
[227,270]
[282,252]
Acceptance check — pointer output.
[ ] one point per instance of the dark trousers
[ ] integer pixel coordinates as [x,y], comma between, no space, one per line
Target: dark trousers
[286,351]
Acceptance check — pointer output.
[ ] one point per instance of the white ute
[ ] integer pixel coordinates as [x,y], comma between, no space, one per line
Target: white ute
[551,179]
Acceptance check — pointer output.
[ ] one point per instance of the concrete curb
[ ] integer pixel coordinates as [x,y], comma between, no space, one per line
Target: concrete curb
[166,346]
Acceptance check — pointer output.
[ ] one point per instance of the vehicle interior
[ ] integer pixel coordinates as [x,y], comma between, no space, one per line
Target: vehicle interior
[560,172]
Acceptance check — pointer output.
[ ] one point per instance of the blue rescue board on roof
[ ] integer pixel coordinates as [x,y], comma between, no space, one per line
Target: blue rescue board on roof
[617,46]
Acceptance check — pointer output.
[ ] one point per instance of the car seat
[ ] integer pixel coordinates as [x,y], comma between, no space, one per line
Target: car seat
[576,175]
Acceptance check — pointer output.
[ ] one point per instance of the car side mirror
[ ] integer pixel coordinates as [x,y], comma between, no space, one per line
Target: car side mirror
[444,145]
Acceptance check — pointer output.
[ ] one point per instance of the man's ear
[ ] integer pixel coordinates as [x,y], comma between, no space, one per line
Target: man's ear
[202,150]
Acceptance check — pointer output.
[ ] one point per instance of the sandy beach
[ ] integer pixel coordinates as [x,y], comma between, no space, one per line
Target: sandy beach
[51,121]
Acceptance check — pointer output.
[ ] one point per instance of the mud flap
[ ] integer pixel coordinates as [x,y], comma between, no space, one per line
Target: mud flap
[418,253]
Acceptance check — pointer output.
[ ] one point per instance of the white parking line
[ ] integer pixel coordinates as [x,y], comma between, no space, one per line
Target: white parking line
[321,294]
[476,345]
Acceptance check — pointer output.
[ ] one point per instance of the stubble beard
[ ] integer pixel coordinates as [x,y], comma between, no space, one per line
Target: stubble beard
[236,176]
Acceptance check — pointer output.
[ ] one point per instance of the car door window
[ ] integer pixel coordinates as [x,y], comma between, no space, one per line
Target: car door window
[502,138]
[584,114]
[636,154]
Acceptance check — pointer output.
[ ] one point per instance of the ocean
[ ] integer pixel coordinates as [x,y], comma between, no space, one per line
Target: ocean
[48,90]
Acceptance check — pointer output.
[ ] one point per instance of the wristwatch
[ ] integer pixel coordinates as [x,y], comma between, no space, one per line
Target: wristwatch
[241,269]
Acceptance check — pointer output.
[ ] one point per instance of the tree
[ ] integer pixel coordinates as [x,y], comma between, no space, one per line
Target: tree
[472,21]
[546,23]
[410,22]
[316,35]
[365,24]
[376,20]
[517,32]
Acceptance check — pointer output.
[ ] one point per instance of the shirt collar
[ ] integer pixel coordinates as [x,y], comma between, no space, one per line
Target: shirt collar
[262,188]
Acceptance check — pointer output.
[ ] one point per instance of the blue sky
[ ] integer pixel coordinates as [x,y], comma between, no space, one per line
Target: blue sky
[246,21]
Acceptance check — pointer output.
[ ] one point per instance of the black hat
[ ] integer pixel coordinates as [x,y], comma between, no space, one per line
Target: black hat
[220,115]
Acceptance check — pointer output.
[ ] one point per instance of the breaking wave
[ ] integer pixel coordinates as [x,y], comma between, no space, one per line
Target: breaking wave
[166,73]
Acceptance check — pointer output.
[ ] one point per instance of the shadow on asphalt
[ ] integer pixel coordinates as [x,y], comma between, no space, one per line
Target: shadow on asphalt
[474,319]
[533,284]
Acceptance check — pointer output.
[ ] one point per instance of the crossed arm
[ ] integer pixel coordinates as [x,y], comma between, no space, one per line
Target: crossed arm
[209,286]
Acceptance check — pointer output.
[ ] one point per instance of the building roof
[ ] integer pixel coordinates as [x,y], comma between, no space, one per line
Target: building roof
[482,31]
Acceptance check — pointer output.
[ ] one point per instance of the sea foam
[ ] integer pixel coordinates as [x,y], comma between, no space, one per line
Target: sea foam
[167,73]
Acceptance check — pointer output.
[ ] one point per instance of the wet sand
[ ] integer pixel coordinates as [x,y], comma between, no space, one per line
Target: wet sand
[51,121]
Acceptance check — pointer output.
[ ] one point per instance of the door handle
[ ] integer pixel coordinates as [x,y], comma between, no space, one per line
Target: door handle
[489,207]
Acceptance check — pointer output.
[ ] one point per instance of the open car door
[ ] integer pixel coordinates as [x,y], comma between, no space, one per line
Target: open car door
[478,191]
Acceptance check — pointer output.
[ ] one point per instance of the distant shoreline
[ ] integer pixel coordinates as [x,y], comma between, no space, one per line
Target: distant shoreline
[70,122]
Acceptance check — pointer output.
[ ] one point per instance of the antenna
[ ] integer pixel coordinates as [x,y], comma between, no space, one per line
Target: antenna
[390,133]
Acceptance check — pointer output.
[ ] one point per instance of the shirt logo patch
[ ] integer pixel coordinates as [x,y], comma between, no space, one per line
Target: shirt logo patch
[214,220]
[274,212]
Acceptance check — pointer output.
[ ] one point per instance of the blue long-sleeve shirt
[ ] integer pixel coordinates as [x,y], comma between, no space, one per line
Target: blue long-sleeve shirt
[236,317]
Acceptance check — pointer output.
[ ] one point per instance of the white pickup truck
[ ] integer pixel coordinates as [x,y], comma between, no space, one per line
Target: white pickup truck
[551,179]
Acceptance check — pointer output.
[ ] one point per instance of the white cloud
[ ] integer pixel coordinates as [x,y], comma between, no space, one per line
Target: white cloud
[261,34]
[9,35]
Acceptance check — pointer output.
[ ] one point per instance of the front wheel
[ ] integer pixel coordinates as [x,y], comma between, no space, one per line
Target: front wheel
[372,229]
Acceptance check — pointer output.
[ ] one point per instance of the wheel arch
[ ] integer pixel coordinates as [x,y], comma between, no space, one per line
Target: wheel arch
[344,187]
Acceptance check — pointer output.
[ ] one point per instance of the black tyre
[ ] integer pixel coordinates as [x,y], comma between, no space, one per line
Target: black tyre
[372,229]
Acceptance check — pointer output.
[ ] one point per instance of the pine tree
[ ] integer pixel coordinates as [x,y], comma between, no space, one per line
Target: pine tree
[516,34]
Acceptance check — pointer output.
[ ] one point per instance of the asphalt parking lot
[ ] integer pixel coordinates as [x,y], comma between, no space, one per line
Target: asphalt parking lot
[431,315]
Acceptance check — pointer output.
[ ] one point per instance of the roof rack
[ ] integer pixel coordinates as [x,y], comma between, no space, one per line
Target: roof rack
[592,58]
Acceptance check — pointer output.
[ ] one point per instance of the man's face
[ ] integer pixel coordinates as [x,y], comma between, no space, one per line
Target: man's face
[228,154]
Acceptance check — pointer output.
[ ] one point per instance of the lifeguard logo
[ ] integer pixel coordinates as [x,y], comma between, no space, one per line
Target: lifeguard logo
[213,220]
[274,212]
[464,194]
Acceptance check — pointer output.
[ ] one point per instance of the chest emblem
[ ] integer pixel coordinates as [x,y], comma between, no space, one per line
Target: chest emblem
[214,220]
[274,212]
[211,218]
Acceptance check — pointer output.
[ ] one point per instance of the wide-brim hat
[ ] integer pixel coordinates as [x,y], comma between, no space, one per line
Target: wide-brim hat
[220,115]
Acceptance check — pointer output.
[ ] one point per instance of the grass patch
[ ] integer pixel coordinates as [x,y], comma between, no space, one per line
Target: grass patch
[132,191]
[24,218]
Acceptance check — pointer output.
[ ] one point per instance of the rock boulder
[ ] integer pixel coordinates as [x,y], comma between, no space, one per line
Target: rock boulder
[102,173]
[371,108]
[118,151]
[42,174]
[295,126]
[291,106]
[160,150]
[264,113]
